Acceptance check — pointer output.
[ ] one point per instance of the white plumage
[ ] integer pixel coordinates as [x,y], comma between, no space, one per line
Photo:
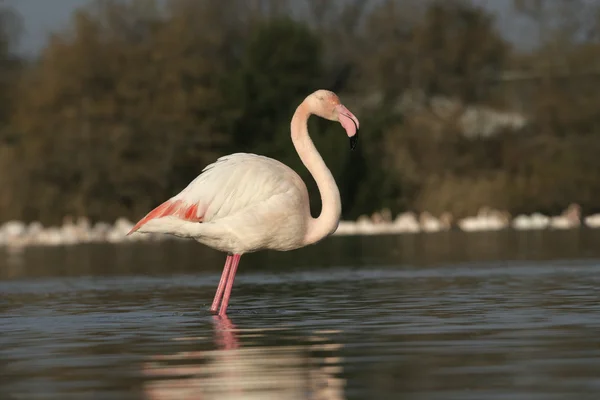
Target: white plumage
[247,202]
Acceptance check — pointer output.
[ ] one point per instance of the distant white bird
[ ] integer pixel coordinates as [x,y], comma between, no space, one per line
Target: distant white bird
[570,218]
[13,228]
[245,202]
[347,228]
[529,222]
[406,222]
[429,223]
[592,221]
[485,220]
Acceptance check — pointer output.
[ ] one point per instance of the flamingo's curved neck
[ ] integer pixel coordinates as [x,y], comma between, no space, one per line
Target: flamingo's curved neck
[331,204]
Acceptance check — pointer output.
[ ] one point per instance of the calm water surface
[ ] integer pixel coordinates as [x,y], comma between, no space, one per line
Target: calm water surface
[441,316]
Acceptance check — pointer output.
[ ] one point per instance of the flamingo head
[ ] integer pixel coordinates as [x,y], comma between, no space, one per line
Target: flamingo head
[326,104]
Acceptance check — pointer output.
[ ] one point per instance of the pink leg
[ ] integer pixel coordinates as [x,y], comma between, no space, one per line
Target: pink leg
[221,287]
[230,279]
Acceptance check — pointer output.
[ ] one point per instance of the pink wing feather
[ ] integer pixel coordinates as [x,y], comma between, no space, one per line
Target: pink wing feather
[175,207]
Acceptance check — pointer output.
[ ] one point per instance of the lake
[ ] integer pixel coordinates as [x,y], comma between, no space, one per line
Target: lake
[452,315]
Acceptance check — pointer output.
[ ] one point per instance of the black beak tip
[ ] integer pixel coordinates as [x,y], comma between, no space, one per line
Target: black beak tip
[353,141]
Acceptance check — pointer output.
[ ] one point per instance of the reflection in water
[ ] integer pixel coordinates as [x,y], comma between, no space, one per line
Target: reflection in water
[237,372]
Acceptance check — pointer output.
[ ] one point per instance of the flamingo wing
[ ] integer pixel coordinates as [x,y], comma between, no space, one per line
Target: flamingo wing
[232,183]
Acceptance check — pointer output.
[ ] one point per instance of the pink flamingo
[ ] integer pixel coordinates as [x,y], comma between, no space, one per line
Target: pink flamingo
[245,202]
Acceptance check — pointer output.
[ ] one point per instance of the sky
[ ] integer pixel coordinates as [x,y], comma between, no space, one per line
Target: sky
[40,17]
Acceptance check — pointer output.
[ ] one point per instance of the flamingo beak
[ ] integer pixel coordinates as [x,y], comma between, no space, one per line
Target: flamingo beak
[353,141]
[350,124]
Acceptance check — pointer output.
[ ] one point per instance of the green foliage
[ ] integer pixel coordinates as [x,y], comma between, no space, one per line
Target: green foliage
[121,110]
[9,64]
[281,64]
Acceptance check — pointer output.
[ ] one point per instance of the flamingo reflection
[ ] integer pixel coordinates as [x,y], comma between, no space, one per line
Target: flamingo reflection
[226,338]
[238,371]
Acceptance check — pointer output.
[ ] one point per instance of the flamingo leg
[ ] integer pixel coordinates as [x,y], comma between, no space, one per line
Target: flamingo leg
[234,265]
[221,288]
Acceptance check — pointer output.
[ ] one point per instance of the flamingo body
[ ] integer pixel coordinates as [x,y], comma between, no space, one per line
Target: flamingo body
[245,202]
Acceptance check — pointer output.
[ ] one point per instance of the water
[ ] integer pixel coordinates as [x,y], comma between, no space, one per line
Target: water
[503,315]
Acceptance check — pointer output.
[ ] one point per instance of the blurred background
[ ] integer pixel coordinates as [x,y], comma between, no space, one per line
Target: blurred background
[481,114]
[463,104]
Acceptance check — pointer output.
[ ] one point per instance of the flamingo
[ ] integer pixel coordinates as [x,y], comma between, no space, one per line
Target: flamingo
[429,223]
[244,202]
[570,218]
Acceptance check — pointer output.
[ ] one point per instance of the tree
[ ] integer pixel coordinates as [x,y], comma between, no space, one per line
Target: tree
[10,68]
[125,109]
[10,64]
